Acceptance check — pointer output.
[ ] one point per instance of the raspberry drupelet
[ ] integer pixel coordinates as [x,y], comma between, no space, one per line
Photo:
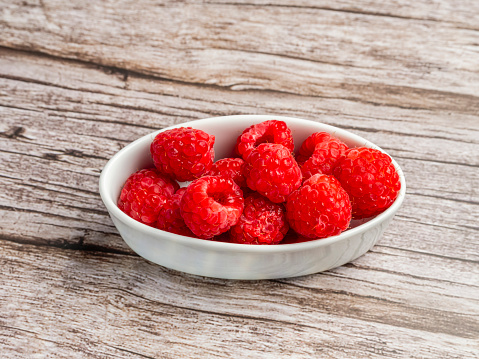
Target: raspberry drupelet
[271,131]
[319,208]
[320,153]
[211,205]
[272,171]
[169,217]
[262,222]
[229,167]
[370,179]
[144,194]
[183,153]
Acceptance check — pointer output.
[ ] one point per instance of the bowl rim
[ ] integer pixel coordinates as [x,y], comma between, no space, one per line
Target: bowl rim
[225,246]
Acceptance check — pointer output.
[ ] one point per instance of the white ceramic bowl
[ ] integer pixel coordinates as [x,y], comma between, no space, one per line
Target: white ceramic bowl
[230,260]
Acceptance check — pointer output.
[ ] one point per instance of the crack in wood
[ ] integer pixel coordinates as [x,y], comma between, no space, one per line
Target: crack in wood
[406,134]
[38,336]
[129,351]
[324,8]
[366,267]
[444,198]
[51,215]
[50,158]
[435,225]
[19,108]
[423,253]
[428,159]
[79,246]
[344,276]
[14,132]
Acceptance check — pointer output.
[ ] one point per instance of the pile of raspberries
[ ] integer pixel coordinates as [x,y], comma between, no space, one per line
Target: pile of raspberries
[264,192]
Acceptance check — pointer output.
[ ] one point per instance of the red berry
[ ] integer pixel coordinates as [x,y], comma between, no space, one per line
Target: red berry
[319,208]
[211,205]
[320,153]
[183,153]
[272,131]
[170,219]
[370,179]
[144,193]
[229,167]
[262,222]
[272,171]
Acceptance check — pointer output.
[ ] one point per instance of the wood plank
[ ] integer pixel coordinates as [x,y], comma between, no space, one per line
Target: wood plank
[53,157]
[123,303]
[334,54]
[464,14]
[92,94]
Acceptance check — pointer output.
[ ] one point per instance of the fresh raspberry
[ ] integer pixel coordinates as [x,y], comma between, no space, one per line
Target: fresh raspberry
[272,131]
[319,153]
[229,167]
[319,208]
[272,171]
[211,205]
[144,193]
[262,222]
[170,219]
[370,179]
[183,153]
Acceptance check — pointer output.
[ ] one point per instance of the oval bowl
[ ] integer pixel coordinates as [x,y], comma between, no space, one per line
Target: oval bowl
[230,260]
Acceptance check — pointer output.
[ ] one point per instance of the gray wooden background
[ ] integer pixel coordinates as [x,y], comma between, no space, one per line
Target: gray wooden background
[81,79]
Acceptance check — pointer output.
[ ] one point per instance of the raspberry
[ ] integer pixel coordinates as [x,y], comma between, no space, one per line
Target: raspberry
[262,222]
[170,219]
[272,131]
[272,171]
[211,205]
[320,153]
[229,167]
[144,193]
[319,208]
[183,153]
[370,179]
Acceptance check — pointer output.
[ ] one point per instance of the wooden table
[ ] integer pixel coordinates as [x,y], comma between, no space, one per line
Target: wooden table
[81,79]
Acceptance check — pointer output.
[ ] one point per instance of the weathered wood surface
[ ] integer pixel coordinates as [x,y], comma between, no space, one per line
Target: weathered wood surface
[79,80]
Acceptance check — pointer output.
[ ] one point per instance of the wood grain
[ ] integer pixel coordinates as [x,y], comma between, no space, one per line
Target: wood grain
[186,314]
[75,110]
[334,54]
[78,81]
